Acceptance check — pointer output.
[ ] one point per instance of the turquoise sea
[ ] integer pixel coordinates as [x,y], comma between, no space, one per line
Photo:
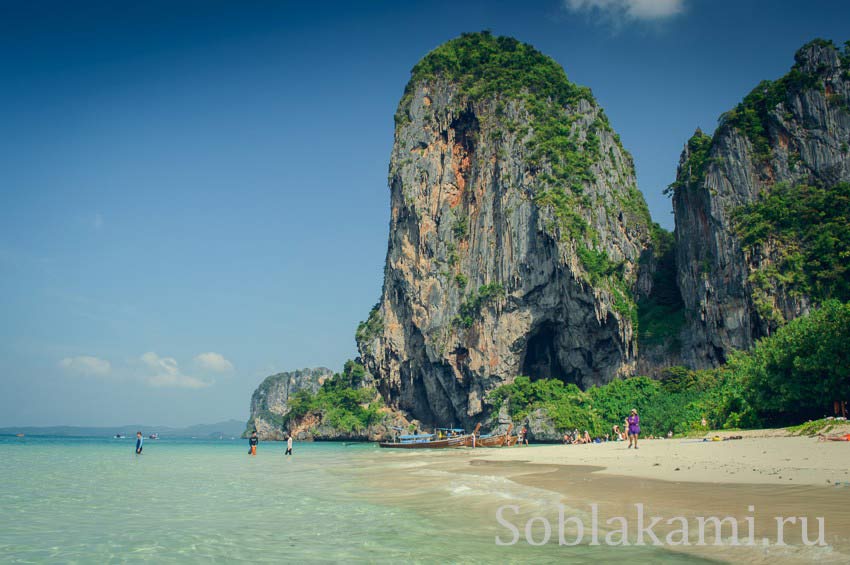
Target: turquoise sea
[92,500]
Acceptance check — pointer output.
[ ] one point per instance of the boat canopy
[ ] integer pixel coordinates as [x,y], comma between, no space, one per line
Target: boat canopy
[418,436]
[452,429]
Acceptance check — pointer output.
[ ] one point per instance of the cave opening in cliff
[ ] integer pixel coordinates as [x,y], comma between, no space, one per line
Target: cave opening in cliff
[466,128]
[541,359]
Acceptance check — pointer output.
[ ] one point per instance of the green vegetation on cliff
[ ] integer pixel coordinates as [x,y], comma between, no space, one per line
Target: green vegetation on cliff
[789,377]
[482,66]
[754,113]
[471,307]
[693,170]
[371,328]
[810,227]
[661,315]
[340,403]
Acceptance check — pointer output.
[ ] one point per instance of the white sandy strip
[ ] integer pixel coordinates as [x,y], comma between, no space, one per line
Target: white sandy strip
[754,460]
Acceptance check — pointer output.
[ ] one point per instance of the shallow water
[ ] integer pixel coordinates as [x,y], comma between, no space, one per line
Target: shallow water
[93,500]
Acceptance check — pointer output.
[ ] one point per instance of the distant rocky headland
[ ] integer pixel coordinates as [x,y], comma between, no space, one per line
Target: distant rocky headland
[520,244]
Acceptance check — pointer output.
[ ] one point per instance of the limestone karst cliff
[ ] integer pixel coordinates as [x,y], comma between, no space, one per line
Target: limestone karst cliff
[516,235]
[519,243]
[740,274]
[270,401]
[317,404]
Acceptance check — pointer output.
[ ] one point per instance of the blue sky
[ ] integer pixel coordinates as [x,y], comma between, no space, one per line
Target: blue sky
[194,193]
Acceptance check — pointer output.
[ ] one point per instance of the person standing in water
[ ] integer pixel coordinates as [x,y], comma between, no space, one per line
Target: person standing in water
[634,428]
[252,442]
[288,445]
[139,441]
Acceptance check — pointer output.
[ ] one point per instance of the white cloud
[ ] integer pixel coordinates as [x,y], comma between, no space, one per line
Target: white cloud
[212,361]
[619,12]
[86,365]
[166,373]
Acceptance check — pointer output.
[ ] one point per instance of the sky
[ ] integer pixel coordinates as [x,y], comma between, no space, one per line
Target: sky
[193,194]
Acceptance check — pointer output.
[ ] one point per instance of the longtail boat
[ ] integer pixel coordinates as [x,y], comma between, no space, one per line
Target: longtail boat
[442,438]
[425,441]
[497,440]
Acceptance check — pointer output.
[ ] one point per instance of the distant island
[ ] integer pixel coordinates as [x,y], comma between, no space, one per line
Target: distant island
[226,429]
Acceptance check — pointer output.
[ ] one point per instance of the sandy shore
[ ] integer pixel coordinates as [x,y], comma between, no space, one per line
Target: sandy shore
[756,479]
[752,460]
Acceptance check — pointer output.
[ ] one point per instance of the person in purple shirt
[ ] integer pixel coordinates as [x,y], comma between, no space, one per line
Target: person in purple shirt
[634,428]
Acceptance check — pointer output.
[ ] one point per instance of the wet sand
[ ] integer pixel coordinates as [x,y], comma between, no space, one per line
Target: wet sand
[582,486]
[756,478]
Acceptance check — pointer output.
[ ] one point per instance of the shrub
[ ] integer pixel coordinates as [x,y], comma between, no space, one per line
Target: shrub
[799,371]
[339,402]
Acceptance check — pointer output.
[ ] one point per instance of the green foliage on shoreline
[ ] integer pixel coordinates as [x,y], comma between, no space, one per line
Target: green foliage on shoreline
[341,402]
[813,427]
[798,372]
[598,409]
[810,226]
[787,378]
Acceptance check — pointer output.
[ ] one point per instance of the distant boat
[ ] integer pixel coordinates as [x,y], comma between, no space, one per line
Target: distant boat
[19,435]
[153,436]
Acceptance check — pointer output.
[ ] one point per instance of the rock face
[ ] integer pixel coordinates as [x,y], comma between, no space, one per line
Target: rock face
[793,130]
[313,428]
[515,235]
[269,403]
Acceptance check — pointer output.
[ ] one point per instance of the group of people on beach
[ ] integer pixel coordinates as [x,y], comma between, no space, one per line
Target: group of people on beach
[631,425]
[254,440]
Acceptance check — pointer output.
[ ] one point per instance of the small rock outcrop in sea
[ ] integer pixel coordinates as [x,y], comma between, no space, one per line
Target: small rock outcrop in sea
[743,272]
[516,235]
[312,427]
[270,402]
[316,404]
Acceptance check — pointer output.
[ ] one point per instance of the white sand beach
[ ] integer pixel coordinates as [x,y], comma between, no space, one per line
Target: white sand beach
[756,459]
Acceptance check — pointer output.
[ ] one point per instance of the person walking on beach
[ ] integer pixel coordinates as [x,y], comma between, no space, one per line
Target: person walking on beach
[288,445]
[634,428]
[139,441]
[252,442]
